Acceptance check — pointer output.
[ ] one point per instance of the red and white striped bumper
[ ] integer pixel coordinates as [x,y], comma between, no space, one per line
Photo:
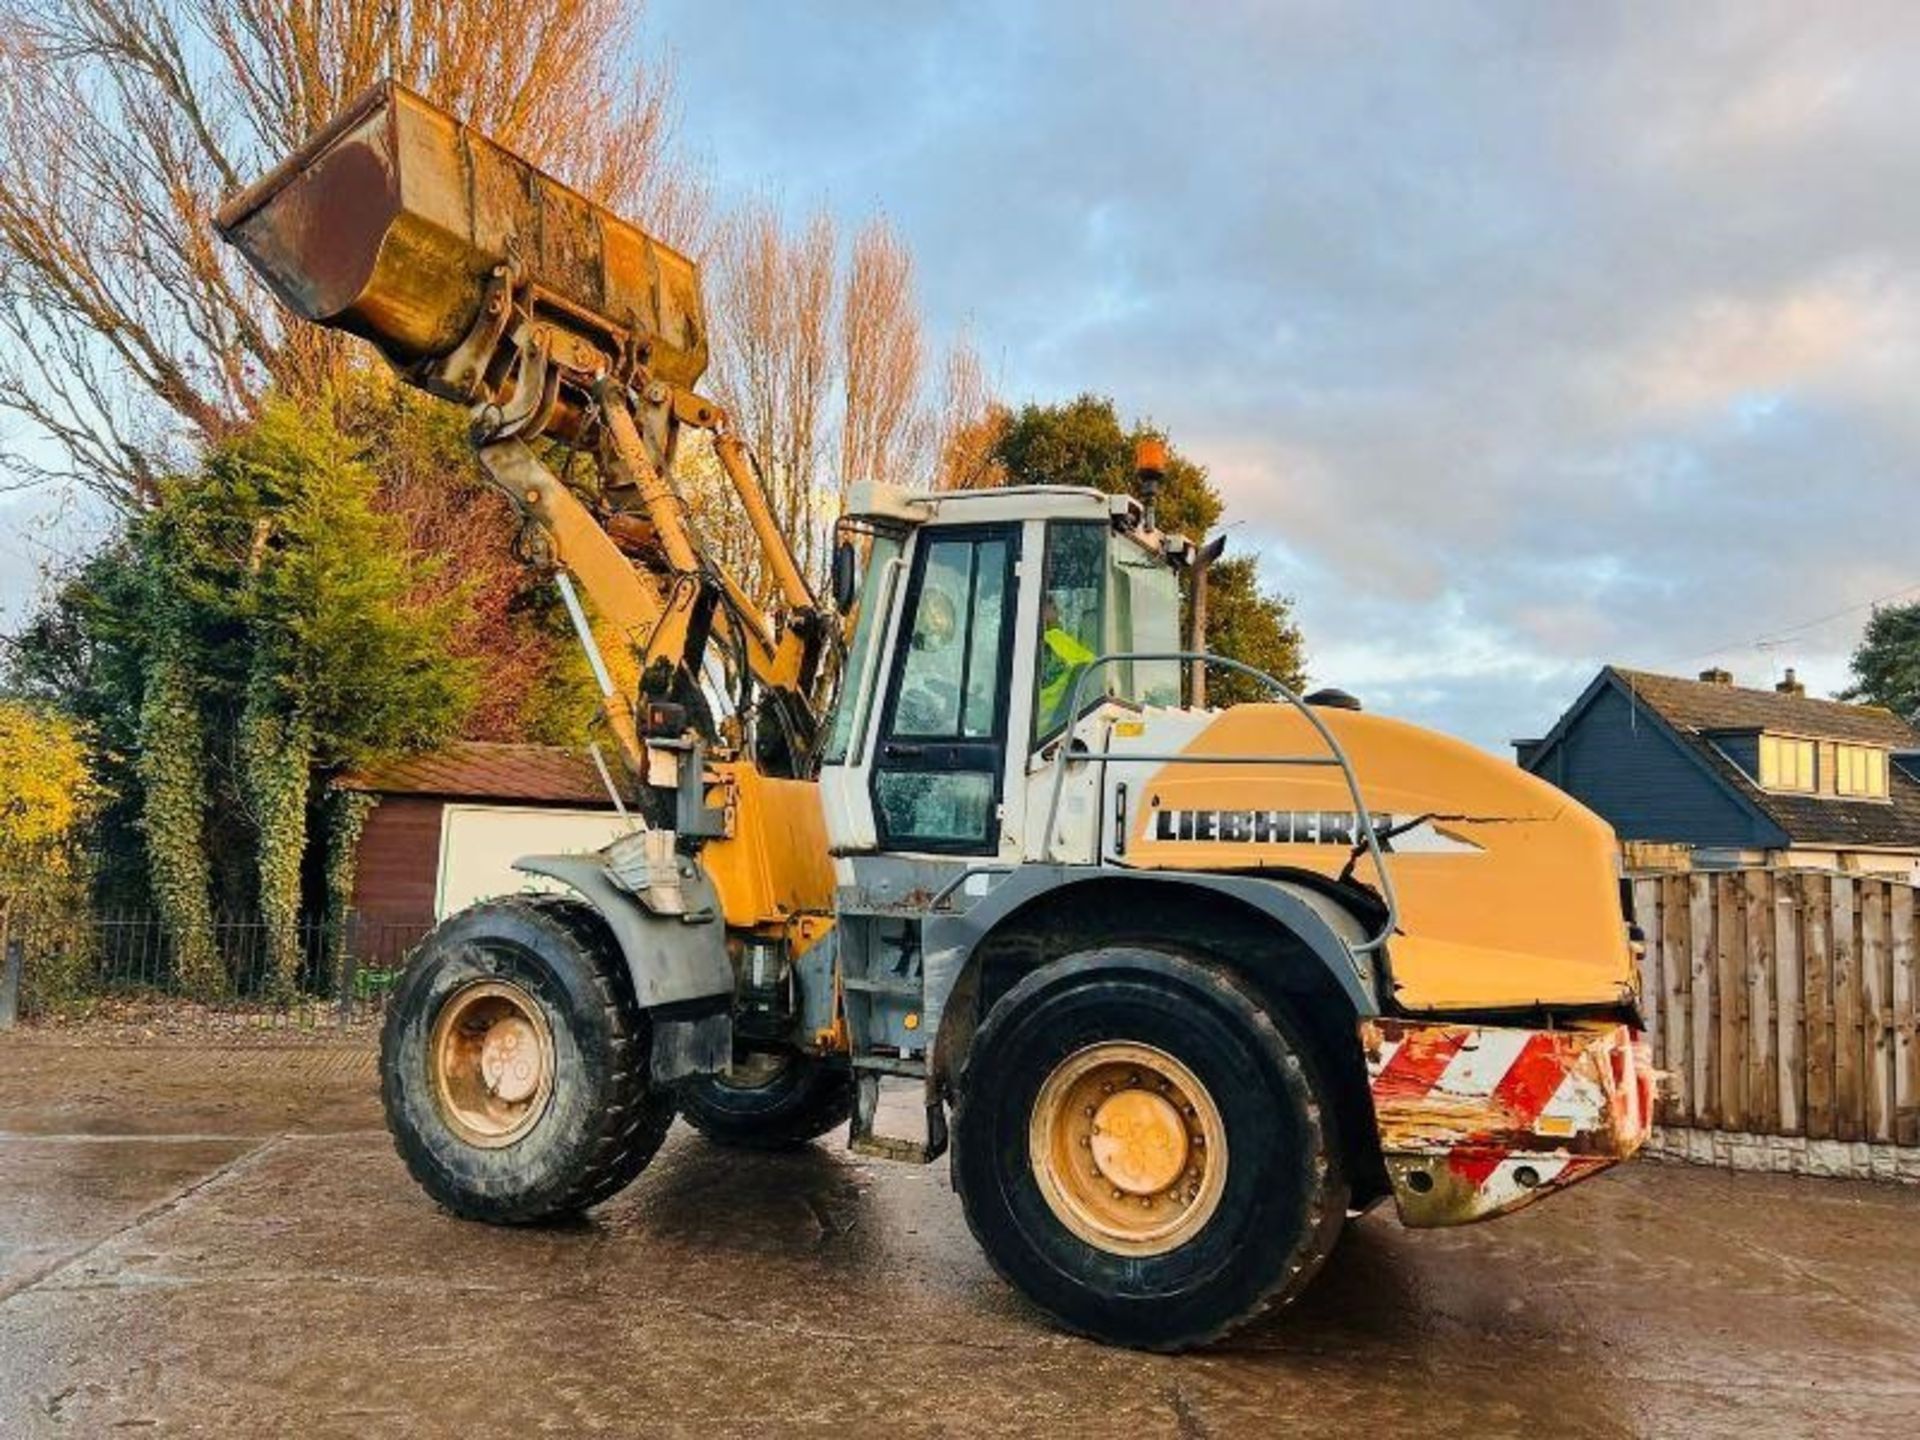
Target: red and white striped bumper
[1479,1120]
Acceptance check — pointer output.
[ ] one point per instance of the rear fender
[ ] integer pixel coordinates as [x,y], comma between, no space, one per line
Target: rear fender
[1326,931]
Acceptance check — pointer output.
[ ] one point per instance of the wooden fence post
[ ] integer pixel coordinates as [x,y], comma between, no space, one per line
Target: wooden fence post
[1849,1089]
[1706,1017]
[1876,995]
[1646,914]
[1790,1006]
[1763,1086]
[1730,971]
[1906,1015]
[1816,959]
[11,964]
[1676,974]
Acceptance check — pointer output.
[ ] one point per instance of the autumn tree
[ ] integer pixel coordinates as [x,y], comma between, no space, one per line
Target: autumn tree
[45,795]
[771,294]
[1082,442]
[128,333]
[820,361]
[502,614]
[885,427]
[968,425]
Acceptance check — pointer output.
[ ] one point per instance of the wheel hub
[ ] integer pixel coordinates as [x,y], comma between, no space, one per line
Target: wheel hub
[510,1060]
[1139,1142]
[491,1062]
[1128,1148]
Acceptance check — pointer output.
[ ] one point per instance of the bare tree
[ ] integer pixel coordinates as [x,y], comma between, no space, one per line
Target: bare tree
[885,431]
[967,425]
[126,330]
[771,297]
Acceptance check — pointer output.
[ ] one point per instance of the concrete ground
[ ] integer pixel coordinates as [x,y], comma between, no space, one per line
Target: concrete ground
[221,1241]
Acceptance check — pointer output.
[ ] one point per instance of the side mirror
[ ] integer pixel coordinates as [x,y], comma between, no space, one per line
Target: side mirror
[845,576]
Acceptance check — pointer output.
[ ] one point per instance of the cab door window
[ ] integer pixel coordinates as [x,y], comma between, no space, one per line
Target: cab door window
[937,774]
[1072,622]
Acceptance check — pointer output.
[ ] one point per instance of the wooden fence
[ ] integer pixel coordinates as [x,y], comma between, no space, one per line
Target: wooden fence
[1784,1003]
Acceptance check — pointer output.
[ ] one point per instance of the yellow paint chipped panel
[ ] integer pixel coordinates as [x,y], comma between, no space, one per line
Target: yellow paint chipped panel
[1507,887]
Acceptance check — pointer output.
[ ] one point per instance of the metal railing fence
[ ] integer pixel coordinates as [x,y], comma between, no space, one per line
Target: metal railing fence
[320,971]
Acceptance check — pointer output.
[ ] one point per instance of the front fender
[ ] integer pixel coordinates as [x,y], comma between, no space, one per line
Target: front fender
[673,959]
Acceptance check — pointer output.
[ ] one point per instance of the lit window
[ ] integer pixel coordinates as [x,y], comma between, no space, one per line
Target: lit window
[1785,763]
[1859,770]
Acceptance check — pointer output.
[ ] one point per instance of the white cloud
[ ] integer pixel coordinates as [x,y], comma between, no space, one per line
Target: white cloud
[1522,339]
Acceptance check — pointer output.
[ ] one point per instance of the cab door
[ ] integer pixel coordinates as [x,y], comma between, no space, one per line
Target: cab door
[938,767]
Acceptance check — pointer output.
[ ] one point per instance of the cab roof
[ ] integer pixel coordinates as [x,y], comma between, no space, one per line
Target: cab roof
[895,505]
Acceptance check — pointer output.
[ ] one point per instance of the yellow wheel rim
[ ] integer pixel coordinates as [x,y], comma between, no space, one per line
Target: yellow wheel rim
[491,1062]
[1128,1148]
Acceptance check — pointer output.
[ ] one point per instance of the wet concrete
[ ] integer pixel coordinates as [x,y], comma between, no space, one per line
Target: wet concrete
[211,1242]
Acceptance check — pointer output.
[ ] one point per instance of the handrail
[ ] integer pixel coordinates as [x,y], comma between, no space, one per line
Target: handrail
[941,895]
[1363,817]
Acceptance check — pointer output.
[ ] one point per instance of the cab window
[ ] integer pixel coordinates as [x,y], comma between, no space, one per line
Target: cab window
[936,778]
[869,611]
[1072,621]
[1146,606]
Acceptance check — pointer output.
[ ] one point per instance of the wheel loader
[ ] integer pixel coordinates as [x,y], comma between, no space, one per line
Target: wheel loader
[1181,989]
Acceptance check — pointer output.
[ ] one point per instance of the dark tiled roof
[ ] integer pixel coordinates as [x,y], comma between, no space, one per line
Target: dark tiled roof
[1696,710]
[477,770]
[1701,706]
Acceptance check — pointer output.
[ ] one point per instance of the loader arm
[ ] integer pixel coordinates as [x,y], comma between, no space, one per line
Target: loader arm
[485,282]
[650,620]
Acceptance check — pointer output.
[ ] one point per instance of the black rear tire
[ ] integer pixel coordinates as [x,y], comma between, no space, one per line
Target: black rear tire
[796,1103]
[600,1120]
[1282,1197]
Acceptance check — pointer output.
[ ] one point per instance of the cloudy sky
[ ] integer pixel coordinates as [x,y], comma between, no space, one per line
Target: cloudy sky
[1519,338]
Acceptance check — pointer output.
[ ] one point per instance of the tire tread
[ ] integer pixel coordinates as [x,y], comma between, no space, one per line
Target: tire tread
[634,1119]
[1326,1205]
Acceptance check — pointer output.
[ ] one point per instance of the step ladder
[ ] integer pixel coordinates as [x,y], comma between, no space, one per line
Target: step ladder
[897,980]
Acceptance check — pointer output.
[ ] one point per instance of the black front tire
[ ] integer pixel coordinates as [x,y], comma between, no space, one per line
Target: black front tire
[1283,1197]
[799,1101]
[601,1121]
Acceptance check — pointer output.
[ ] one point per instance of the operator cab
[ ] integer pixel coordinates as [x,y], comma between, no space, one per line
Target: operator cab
[976,614]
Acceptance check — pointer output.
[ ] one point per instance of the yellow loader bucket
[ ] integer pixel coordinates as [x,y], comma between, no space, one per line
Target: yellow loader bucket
[394,223]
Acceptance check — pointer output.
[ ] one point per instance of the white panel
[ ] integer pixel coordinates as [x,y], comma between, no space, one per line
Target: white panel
[479,843]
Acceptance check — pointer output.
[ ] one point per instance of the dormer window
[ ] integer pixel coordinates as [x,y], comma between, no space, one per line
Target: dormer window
[1787,763]
[1860,771]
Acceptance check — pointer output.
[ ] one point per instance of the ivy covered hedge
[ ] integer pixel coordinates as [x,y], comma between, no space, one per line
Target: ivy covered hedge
[263,626]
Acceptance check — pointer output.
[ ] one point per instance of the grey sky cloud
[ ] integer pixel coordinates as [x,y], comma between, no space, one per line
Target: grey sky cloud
[1519,338]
